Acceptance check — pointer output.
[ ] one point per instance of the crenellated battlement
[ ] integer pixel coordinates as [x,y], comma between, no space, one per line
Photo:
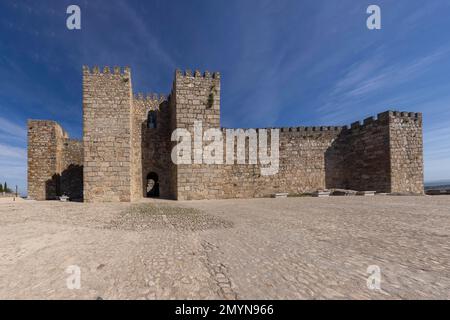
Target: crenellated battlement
[415,116]
[196,74]
[380,119]
[309,131]
[400,114]
[313,129]
[384,118]
[116,70]
[150,97]
[142,103]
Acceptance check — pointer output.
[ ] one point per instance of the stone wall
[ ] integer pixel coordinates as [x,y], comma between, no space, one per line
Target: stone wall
[383,154]
[363,157]
[72,168]
[304,160]
[55,162]
[107,103]
[42,159]
[196,97]
[173,169]
[151,146]
[366,163]
[406,150]
[302,168]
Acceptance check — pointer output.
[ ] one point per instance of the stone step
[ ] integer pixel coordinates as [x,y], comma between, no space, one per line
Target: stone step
[343,192]
[321,193]
[365,193]
[280,195]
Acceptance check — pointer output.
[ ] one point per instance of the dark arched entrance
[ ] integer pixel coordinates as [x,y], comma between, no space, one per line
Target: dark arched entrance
[152,185]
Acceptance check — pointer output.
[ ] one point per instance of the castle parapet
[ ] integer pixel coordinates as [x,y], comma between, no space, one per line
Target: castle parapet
[383,119]
[400,114]
[125,71]
[150,97]
[311,129]
[196,74]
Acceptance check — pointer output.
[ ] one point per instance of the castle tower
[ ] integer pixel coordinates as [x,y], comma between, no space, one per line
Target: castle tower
[54,162]
[107,103]
[44,159]
[406,152]
[195,97]
[383,154]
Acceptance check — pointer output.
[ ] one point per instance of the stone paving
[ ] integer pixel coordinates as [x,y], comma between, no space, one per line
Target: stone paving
[290,248]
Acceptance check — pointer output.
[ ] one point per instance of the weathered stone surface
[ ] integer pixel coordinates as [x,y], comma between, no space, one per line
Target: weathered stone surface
[121,149]
[150,147]
[107,108]
[55,162]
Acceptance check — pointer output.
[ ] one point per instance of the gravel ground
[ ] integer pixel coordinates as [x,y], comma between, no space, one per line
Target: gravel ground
[292,248]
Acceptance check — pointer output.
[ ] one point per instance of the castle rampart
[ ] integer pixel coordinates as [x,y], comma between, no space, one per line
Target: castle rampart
[127,143]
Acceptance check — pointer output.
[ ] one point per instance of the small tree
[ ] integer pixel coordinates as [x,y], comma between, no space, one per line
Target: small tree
[1,187]
[5,187]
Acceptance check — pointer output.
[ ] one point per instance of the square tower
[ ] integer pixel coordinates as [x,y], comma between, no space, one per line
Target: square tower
[195,97]
[107,103]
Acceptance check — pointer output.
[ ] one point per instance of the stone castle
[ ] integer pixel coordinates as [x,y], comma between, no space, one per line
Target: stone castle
[125,153]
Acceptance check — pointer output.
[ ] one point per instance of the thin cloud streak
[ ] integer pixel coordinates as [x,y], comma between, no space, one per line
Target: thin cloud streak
[10,152]
[12,129]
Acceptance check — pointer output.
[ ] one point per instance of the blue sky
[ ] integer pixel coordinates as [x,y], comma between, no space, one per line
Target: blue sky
[283,63]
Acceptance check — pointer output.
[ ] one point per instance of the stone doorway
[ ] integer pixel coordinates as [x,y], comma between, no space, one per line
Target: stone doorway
[152,185]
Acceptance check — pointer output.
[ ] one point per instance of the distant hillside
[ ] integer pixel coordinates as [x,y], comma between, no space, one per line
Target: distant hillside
[441,184]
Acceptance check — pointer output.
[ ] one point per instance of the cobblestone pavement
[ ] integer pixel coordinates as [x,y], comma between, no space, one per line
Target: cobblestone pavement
[294,248]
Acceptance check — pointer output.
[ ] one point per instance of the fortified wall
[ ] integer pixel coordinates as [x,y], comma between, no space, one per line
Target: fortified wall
[127,144]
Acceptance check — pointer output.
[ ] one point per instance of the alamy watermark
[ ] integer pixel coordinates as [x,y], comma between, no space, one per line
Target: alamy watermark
[374,20]
[374,280]
[73,282]
[73,21]
[194,150]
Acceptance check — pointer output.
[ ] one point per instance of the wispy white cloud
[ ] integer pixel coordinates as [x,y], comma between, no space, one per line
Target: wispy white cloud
[367,82]
[399,73]
[141,30]
[372,75]
[415,17]
[10,152]
[12,129]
